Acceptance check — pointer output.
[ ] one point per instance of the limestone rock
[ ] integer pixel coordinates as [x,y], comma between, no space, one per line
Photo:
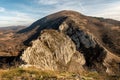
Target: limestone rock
[53,50]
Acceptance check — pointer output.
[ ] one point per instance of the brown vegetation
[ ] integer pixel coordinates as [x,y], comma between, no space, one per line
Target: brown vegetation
[97,39]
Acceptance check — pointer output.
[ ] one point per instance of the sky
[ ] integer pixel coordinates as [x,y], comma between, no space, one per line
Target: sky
[25,12]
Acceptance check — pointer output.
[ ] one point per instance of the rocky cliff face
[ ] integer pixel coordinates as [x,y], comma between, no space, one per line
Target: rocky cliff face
[69,46]
[54,50]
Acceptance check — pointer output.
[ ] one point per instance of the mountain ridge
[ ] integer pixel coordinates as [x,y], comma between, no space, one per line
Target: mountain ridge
[78,28]
[94,38]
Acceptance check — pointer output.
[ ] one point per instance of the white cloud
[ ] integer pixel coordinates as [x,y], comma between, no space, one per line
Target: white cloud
[70,5]
[2,9]
[15,18]
[111,10]
[48,2]
[57,5]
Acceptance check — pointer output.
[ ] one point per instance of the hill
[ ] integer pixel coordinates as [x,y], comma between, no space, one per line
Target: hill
[68,40]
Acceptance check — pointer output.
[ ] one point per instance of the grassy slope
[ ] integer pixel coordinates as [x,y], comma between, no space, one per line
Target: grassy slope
[36,74]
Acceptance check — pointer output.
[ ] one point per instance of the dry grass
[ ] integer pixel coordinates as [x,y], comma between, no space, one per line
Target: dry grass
[32,74]
[93,75]
[36,74]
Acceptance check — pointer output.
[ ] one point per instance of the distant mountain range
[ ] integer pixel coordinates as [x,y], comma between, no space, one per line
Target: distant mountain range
[14,28]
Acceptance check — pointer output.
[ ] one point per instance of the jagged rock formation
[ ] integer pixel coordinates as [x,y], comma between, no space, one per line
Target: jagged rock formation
[95,40]
[54,50]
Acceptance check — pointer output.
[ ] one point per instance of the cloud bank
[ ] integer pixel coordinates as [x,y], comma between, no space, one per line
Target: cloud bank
[15,18]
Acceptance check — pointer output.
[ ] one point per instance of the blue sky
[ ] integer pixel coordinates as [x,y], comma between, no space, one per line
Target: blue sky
[25,12]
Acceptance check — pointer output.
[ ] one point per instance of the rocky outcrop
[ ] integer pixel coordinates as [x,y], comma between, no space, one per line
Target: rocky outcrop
[69,46]
[54,50]
[96,55]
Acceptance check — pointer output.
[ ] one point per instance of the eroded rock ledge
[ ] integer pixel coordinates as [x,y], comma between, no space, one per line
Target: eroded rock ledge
[54,50]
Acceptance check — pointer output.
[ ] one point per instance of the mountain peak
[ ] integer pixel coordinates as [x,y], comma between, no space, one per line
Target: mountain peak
[69,33]
[66,13]
[53,18]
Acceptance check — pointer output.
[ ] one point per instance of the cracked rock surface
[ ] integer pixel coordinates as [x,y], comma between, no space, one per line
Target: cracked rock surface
[53,50]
